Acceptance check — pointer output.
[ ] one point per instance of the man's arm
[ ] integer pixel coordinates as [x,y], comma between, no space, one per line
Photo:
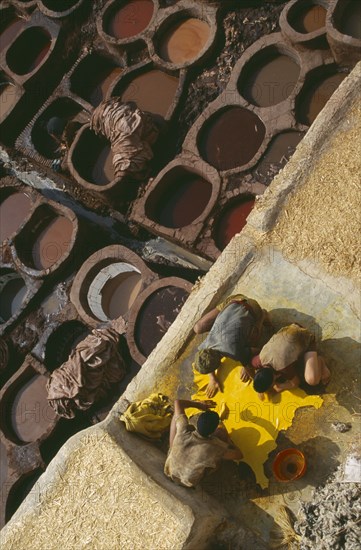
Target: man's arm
[205,323]
[179,407]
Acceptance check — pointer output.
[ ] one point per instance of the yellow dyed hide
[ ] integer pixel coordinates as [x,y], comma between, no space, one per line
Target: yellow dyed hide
[253,424]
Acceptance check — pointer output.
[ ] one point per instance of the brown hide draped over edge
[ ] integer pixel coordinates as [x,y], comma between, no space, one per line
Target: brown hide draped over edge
[89,373]
[131,133]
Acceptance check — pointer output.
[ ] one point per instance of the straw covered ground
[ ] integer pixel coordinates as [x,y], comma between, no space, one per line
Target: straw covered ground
[322,218]
[90,494]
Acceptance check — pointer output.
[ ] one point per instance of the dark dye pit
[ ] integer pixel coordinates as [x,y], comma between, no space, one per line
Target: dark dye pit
[316,96]
[93,159]
[4,465]
[119,293]
[231,138]
[28,50]
[153,91]
[93,77]
[309,19]
[180,199]
[184,41]
[12,294]
[59,5]
[268,78]
[13,211]
[130,19]
[232,220]
[46,144]
[31,415]
[278,153]
[52,243]
[155,317]
[350,21]
[10,31]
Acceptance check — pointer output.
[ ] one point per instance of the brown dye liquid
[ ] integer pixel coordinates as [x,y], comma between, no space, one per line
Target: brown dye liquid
[310,20]
[13,211]
[98,93]
[317,97]
[185,41]
[157,314]
[52,243]
[278,153]
[291,468]
[182,202]
[9,95]
[11,298]
[350,22]
[10,31]
[119,293]
[103,171]
[232,221]
[231,138]
[131,19]
[31,415]
[272,81]
[152,91]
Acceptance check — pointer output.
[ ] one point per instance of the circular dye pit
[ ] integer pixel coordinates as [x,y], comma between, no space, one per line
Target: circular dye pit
[52,242]
[184,41]
[179,199]
[114,290]
[28,50]
[93,77]
[31,415]
[130,19]
[350,21]
[269,78]
[156,315]
[316,96]
[12,293]
[8,34]
[153,91]
[93,159]
[278,153]
[232,220]
[308,19]
[13,211]
[119,293]
[231,138]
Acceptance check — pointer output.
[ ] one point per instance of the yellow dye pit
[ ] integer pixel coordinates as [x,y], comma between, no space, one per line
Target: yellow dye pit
[253,424]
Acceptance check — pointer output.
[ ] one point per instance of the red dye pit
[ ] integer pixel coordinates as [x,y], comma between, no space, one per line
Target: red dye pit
[131,19]
[232,221]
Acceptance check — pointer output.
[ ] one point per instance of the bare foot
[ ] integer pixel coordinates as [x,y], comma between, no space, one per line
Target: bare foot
[244,375]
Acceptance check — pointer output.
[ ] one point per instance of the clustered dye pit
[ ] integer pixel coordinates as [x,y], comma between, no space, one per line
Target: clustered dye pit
[170,61]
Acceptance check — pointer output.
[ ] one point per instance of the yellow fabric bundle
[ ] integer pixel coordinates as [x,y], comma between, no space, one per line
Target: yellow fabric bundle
[150,417]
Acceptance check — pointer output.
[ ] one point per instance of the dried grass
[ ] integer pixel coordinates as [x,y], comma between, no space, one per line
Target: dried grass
[322,218]
[99,503]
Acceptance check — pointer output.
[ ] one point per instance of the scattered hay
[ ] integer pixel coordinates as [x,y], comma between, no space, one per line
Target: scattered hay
[322,218]
[98,503]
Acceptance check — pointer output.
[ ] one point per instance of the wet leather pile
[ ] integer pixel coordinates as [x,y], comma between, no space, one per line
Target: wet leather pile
[131,133]
[91,370]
